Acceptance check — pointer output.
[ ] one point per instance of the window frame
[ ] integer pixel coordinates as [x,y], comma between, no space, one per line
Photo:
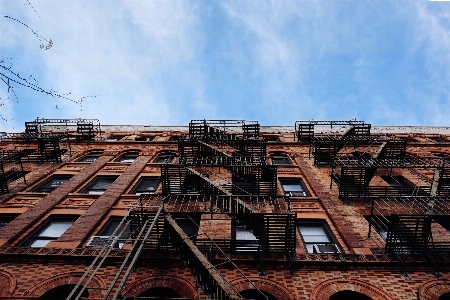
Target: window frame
[5,219]
[144,138]
[139,182]
[241,244]
[165,154]
[36,235]
[272,139]
[303,192]
[132,156]
[93,154]
[314,245]
[280,156]
[55,177]
[125,229]
[89,187]
[114,138]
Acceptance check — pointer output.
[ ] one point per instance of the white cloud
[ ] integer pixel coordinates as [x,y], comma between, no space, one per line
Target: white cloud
[119,51]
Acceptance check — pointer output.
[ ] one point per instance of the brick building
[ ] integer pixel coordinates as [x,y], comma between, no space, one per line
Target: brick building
[224,210]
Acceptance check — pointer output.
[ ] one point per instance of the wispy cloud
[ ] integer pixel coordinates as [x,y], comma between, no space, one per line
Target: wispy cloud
[166,62]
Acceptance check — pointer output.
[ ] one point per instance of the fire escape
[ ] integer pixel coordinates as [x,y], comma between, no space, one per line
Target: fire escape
[221,174]
[39,145]
[403,215]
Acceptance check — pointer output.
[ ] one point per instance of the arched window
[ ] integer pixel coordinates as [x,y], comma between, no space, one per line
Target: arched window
[255,294]
[164,158]
[91,156]
[61,293]
[160,293]
[349,295]
[128,157]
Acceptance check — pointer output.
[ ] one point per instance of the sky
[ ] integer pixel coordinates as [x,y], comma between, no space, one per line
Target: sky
[165,62]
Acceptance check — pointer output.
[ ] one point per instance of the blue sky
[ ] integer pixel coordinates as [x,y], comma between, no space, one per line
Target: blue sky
[386,62]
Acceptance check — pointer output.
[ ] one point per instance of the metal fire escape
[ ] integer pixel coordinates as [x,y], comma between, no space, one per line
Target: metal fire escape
[353,174]
[44,142]
[405,223]
[11,169]
[219,173]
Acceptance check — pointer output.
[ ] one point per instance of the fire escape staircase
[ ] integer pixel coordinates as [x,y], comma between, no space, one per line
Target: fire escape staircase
[11,168]
[206,274]
[353,174]
[142,221]
[325,148]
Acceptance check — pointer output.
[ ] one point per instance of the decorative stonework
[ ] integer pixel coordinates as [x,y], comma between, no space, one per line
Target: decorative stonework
[24,201]
[7,284]
[114,168]
[96,285]
[178,284]
[75,201]
[73,167]
[152,169]
[128,203]
[433,289]
[275,289]
[305,206]
[327,288]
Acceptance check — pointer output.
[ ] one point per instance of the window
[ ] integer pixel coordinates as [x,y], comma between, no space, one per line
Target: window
[114,138]
[379,224]
[5,219]
[91,157]
[113,228]
[317,239]
[174,138]
[53,183]
[128,157]
[189,225]
[147,185]
[272,139]
[166,158]
[280,160]
[51,231]
[244,239]
[99,185]
[144,138]
[293,187]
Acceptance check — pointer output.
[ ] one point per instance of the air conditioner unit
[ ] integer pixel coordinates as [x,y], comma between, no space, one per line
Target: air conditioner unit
[325,248]
[99,241]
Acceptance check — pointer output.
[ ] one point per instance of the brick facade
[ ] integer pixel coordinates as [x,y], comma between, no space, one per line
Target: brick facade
[358,265]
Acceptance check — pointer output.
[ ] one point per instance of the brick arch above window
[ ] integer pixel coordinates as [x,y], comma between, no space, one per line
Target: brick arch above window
[326,289]
[7,283]
[433,289]
[275,289]
[95,286]
[185,288]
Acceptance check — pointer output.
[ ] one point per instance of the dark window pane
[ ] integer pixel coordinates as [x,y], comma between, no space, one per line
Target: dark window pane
[164,159]
[5,219]
[100,185]
[128,157]
[53,183]
[281,160]
[147,185]
[113,224]
[90,157]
